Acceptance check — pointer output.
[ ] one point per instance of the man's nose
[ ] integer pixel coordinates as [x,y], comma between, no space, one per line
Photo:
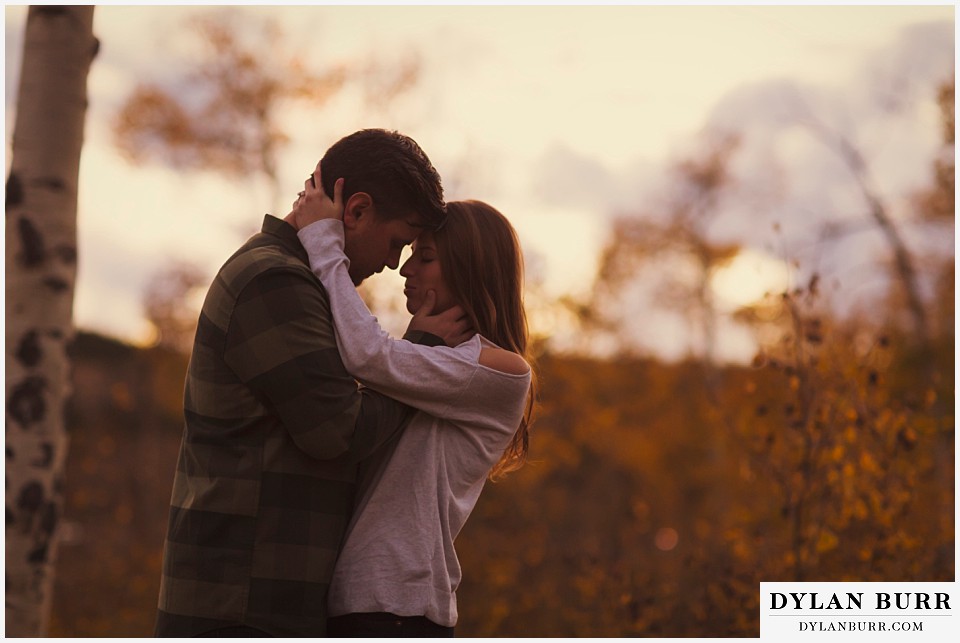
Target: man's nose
[393,260]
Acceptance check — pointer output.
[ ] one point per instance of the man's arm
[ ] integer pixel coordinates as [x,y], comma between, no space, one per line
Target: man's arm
[423,337]
[281,343]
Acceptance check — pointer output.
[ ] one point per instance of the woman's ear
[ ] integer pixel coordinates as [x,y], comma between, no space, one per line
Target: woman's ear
[358,205]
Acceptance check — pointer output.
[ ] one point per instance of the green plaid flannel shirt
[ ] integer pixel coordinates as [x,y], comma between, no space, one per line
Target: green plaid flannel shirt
[274,428]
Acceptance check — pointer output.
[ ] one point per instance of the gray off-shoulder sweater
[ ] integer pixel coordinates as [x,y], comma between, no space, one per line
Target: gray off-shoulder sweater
[398,555]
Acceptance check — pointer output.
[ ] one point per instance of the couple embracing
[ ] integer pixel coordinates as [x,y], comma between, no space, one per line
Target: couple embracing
[326,468]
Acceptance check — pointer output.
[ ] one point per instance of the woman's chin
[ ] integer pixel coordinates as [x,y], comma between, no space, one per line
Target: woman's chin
[412,306]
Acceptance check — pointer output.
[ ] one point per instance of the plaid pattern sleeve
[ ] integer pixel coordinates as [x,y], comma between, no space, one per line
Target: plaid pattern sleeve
[280,343]
[266,474]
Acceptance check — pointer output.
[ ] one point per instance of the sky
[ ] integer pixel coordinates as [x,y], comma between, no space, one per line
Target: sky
[562,117]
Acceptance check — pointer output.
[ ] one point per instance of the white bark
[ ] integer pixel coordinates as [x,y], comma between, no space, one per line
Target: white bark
[41,265]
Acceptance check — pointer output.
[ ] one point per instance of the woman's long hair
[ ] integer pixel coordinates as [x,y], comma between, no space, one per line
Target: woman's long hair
[482,264]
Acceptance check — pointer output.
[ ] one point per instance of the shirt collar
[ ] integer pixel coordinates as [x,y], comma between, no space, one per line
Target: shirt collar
[286,235]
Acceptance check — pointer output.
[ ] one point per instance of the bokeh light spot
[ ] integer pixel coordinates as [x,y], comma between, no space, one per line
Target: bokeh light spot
[666,539]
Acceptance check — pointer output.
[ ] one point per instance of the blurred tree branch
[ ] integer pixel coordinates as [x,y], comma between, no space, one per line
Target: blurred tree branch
[168,307]
[680,231]
[938,202]
[225,114]
[934,205]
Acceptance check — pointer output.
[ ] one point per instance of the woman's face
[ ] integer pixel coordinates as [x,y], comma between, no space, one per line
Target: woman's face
[422,272]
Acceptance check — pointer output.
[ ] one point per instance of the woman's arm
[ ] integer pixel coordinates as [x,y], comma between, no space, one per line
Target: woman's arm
[429,378]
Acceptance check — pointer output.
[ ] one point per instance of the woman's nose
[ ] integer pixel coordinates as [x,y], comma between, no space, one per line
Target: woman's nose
[405,268]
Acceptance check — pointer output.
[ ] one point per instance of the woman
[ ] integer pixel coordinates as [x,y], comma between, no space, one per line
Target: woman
[398,572]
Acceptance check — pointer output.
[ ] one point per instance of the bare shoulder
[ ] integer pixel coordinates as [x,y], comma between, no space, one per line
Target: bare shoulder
[504,361]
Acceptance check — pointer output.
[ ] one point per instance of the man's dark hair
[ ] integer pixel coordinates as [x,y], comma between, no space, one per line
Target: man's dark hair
[391,168]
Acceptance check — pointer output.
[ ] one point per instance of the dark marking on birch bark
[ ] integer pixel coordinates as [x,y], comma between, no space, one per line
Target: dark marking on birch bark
[38,555]
[32,242]
[50,10]
[56,284]
[10,453]
[66,254]
[11,518]
[50,183]
[26,404]
[29,352]
[14,196]
[49,517]
[31,498]
[46,456]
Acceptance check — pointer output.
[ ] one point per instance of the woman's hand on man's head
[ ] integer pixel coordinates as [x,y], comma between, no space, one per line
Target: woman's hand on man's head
[313,204]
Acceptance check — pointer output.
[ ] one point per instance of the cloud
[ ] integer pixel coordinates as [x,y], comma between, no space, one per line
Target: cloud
[904,73]
[564,177]
[778,120]
[889,80]
[764,106]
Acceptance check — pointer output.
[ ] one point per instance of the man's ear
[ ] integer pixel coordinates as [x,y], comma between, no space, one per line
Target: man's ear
[358,205]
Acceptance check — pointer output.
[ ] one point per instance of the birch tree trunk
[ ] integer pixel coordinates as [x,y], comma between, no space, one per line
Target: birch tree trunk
[41,266]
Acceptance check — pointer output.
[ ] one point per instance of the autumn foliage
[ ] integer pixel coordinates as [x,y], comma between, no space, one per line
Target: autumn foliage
[654,504]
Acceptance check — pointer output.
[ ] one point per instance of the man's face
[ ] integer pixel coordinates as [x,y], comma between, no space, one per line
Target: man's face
[376,242]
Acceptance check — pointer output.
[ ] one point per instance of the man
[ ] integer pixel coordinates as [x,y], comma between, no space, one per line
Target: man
[274,425]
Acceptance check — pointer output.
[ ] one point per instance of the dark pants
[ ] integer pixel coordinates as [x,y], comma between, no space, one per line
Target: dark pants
[383,624]
[234,631]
